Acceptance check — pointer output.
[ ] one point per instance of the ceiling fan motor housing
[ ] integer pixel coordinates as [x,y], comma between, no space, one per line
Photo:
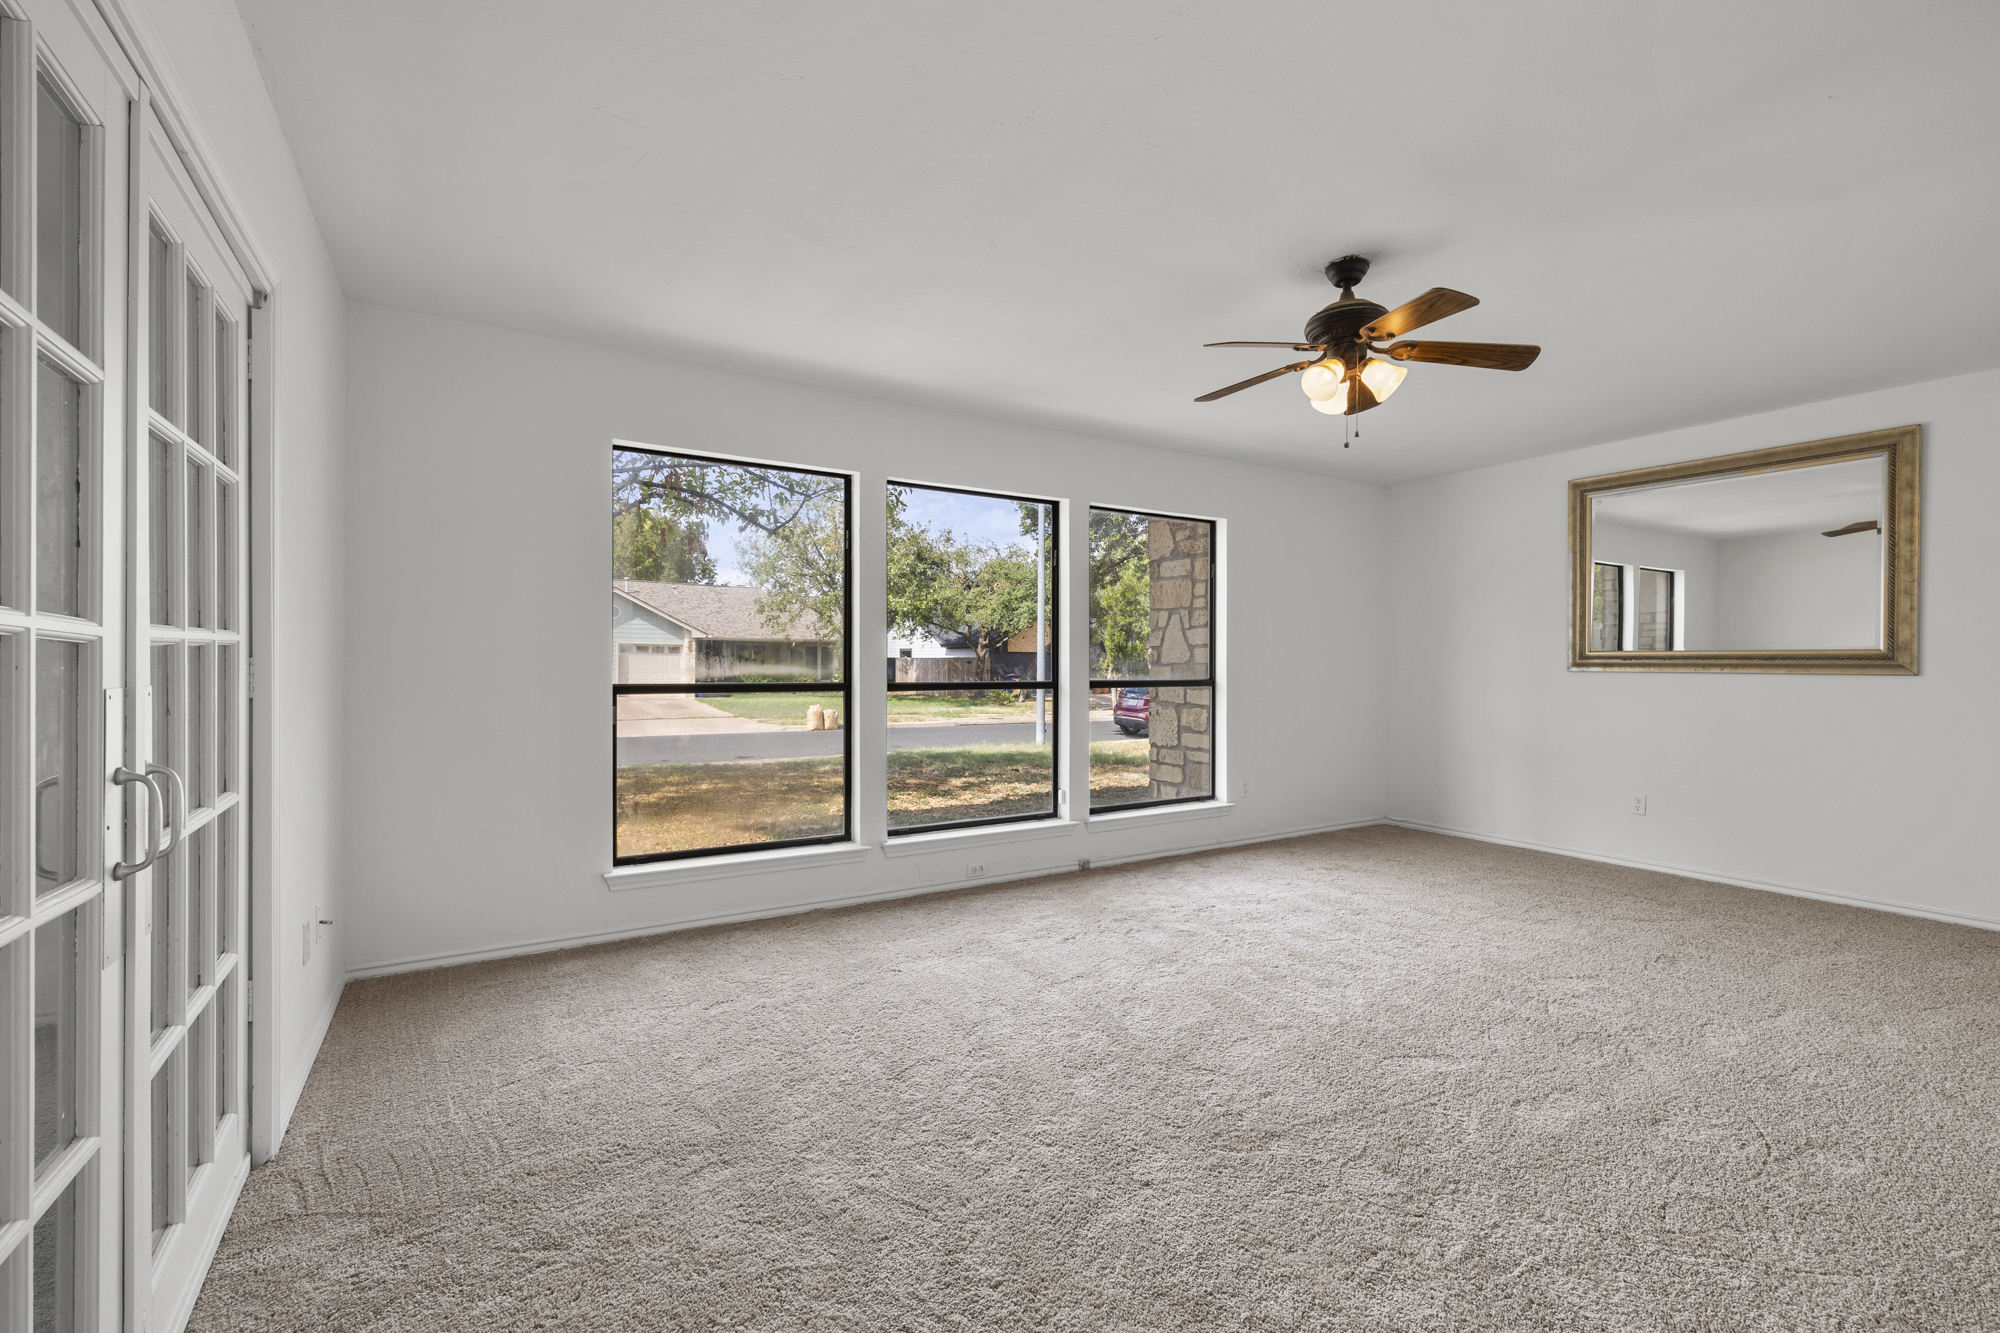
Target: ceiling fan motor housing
[1337,324]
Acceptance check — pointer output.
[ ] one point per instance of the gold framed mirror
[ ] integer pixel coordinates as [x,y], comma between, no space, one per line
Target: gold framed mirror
[1801,559]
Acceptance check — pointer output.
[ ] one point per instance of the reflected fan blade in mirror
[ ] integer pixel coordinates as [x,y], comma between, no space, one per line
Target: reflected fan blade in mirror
[1296,347]
[1429,308]
[1487,356]
[1267,375]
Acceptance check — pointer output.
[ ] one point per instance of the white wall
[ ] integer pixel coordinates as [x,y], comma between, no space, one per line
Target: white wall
[1799,590]
[1878,788]
[299,695]
[479,801]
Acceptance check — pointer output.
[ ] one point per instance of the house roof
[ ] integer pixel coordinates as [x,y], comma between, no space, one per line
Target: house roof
[713,612]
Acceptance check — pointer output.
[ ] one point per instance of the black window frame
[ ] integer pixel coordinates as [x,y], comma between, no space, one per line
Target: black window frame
[1150,683]
[1053,558]
[844,686]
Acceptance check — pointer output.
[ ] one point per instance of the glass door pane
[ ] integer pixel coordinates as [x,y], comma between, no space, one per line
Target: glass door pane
[59,501]
[59,1010]
[60,775]
[59,1247]
[59,226]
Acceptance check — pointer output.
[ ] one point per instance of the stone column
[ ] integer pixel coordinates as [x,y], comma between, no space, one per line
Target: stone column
[1180,720]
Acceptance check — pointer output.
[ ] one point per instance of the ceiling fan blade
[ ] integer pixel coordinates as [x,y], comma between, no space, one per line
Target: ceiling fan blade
[1488,356]
[1865,525]
[1429,308]
[1267,375]
[1296,347]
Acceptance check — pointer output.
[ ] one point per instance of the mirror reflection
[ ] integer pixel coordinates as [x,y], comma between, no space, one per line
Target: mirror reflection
[1785,557]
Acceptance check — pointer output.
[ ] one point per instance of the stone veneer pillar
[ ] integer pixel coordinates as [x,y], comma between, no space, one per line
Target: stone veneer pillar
[1180,722]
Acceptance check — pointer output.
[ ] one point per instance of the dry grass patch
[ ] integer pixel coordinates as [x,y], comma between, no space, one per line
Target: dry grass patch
[1120,772]
[681,807]
[684,807]
[936,786]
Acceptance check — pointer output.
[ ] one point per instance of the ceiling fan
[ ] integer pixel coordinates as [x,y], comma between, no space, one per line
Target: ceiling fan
[1345,378]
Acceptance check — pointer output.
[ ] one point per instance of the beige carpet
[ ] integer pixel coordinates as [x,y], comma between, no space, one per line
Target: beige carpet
[1375,1080]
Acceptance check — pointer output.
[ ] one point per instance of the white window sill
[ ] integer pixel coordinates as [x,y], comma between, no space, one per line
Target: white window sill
[916,844]
[1159,814]
[666,874]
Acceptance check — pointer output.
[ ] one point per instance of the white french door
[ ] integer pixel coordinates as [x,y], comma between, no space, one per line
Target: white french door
[187,1016]
[123,696]
[65,95]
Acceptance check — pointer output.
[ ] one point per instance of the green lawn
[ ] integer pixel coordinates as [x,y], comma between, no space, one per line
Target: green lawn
[790,709]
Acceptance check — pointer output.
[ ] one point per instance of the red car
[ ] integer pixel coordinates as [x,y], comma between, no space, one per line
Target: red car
[1129,708]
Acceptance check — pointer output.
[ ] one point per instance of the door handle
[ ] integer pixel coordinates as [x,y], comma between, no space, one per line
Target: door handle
[42,871]
[156,817]
[179,826]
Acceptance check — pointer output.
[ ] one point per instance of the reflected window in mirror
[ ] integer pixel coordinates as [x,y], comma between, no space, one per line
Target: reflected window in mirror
[1636,608]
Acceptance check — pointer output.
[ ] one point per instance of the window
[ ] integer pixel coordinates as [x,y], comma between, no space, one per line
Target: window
[1152,659]
[730,584]
[1637,608]
[972,656]
[1607,607]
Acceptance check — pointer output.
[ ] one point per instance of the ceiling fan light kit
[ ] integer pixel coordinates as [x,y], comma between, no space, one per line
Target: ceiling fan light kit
[1337,391]
[1348,375]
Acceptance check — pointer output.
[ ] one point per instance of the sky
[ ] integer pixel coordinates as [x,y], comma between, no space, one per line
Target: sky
[980,518]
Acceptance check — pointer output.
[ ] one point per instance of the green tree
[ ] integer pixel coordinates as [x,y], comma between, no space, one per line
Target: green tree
[939,585]
[802,570]
[649,545]
[1120,591]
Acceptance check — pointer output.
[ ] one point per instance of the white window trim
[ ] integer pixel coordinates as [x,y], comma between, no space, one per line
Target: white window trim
[1112,820]
[732,865]
[916,844]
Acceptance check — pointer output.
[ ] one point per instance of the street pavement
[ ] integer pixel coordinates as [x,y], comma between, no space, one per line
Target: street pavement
[774,744]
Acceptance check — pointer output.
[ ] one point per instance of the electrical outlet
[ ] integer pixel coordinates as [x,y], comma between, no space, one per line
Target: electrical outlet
[1638,805]
[974,872]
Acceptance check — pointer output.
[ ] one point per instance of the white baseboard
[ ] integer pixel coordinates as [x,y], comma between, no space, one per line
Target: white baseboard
[210,1243]
[1068,867]
[1716,877]
[288,1096]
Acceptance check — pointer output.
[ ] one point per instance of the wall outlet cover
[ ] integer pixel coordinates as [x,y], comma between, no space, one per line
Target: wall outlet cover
[975,871]
[1638,805]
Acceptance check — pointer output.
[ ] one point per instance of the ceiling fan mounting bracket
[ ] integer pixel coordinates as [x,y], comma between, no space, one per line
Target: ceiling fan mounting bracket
[1347,271]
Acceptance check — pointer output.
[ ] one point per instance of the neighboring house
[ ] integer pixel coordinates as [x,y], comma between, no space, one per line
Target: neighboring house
[922,658]
[679,633]
[928,645]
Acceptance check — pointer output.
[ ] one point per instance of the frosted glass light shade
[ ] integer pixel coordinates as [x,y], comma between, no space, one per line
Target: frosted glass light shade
[1321,381]
[1382,378]
[1335,406]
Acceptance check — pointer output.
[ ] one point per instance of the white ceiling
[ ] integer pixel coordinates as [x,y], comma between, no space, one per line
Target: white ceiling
[1761,504]
[1040,211]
